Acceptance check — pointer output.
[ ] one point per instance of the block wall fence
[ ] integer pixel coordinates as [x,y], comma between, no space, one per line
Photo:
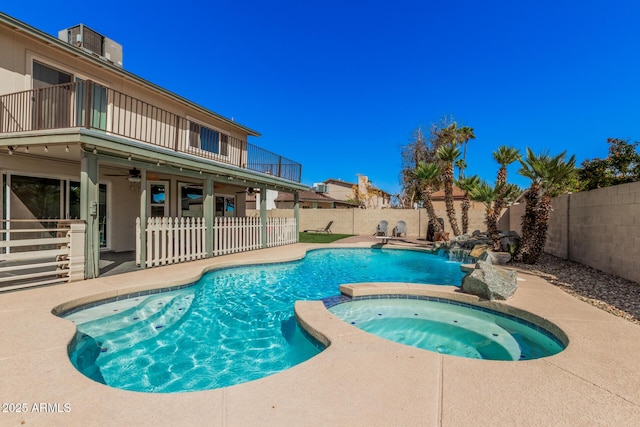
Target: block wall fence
[364,221]
[598,228]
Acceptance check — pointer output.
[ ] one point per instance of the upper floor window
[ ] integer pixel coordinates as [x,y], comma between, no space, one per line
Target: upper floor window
[208,139]
[44,76]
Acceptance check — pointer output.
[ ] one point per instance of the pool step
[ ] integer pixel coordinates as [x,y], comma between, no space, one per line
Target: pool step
[144,323]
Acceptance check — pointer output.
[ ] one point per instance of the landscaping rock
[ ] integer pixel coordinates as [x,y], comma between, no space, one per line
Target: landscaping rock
[478,250]
[495,258]
[489,282]
[509,241]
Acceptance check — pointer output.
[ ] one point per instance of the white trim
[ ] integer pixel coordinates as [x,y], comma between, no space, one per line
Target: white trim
[166,204]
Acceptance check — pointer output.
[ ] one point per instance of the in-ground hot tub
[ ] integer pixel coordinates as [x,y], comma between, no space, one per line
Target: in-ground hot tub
[449,327]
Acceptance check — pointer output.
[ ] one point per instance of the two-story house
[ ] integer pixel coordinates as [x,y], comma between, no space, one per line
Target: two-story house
[361,194]
[82,138]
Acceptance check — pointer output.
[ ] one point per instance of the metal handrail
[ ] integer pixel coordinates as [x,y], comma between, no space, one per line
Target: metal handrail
[85,104]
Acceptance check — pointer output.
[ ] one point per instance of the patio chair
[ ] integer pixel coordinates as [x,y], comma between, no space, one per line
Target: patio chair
[400,229]
[326,229]
[381,230]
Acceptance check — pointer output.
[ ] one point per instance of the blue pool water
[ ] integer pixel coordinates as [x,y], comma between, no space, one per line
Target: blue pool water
[234,325]
[455,329]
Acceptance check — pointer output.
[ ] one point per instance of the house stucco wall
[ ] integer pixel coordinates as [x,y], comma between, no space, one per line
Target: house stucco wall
[19,51]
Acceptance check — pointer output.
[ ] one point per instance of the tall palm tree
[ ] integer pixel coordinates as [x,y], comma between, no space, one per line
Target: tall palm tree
[504,155]
[429,174]
[467,185]
[448,154]
[464,134]
[547,175]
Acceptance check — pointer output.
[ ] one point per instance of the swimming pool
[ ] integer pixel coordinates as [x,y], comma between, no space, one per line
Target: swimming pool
[449,327]
[234,325]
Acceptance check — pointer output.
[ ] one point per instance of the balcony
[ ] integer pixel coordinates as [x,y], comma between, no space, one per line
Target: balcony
[84,104]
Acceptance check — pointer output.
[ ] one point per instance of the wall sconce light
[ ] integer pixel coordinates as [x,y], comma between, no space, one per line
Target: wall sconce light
[129,158]
[66,148]
[46,149]
[26,150]
[95,150]
[11,150]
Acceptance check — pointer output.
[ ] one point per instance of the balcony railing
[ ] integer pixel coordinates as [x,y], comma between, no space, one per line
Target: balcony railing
[85,104]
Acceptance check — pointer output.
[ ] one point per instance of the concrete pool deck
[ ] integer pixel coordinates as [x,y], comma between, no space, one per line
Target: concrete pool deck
[359,380]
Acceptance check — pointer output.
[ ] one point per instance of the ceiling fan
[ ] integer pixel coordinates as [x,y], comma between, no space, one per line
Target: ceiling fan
[249,191]
[133,175]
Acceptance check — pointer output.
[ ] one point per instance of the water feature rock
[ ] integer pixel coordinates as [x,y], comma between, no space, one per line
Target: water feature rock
[495,258]
[478,250]
[509,241]
[490,282]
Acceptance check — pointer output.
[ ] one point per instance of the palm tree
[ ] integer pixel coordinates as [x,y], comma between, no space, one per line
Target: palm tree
[486,194]
[428,174]
[467,185]
[448,154]
[504,155]
[547,175]
[464,134]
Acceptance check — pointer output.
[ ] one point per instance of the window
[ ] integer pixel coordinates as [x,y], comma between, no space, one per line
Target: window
[208,139]
[49,198]
[191,200]
[158,199]
[98,112]
[225,205]
[52,106]
[44,76]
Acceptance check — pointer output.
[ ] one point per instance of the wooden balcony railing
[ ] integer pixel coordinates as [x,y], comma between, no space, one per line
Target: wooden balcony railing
[92,106]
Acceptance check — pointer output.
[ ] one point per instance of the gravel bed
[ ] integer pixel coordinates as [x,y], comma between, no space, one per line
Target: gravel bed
[608,292]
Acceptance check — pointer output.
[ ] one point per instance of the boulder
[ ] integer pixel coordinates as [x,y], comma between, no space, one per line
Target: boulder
[490,282]
[509,241]
[495,258]
[478,250]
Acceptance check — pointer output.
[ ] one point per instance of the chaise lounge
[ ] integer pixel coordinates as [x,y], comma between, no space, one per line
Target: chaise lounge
[326,229]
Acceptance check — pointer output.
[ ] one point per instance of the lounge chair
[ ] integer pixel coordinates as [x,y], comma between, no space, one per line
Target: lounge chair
[381,230]
[326,229]
[400,229]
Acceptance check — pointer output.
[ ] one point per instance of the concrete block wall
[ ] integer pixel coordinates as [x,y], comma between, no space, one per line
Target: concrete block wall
[598,228]
[604,230]
[365,221]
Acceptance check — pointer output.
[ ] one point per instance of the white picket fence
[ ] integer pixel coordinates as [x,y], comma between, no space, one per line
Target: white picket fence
[174,240]
[281,231]
[236,234]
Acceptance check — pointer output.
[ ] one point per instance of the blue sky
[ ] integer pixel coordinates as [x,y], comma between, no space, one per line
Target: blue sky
[340,86]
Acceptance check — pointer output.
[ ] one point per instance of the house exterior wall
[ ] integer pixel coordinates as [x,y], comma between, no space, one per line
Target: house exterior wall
[340,192]
[19,51]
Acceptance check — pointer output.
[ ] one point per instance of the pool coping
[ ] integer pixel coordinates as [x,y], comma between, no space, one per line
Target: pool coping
[358,380]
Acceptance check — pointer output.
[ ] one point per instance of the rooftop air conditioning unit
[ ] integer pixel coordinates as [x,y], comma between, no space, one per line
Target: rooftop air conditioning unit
[93,42]
[320,188]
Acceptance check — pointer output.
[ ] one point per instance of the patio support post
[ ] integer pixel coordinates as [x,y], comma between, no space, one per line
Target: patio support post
[89,212]
[296,213]
[143,219]
[263,216]
[208,210]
